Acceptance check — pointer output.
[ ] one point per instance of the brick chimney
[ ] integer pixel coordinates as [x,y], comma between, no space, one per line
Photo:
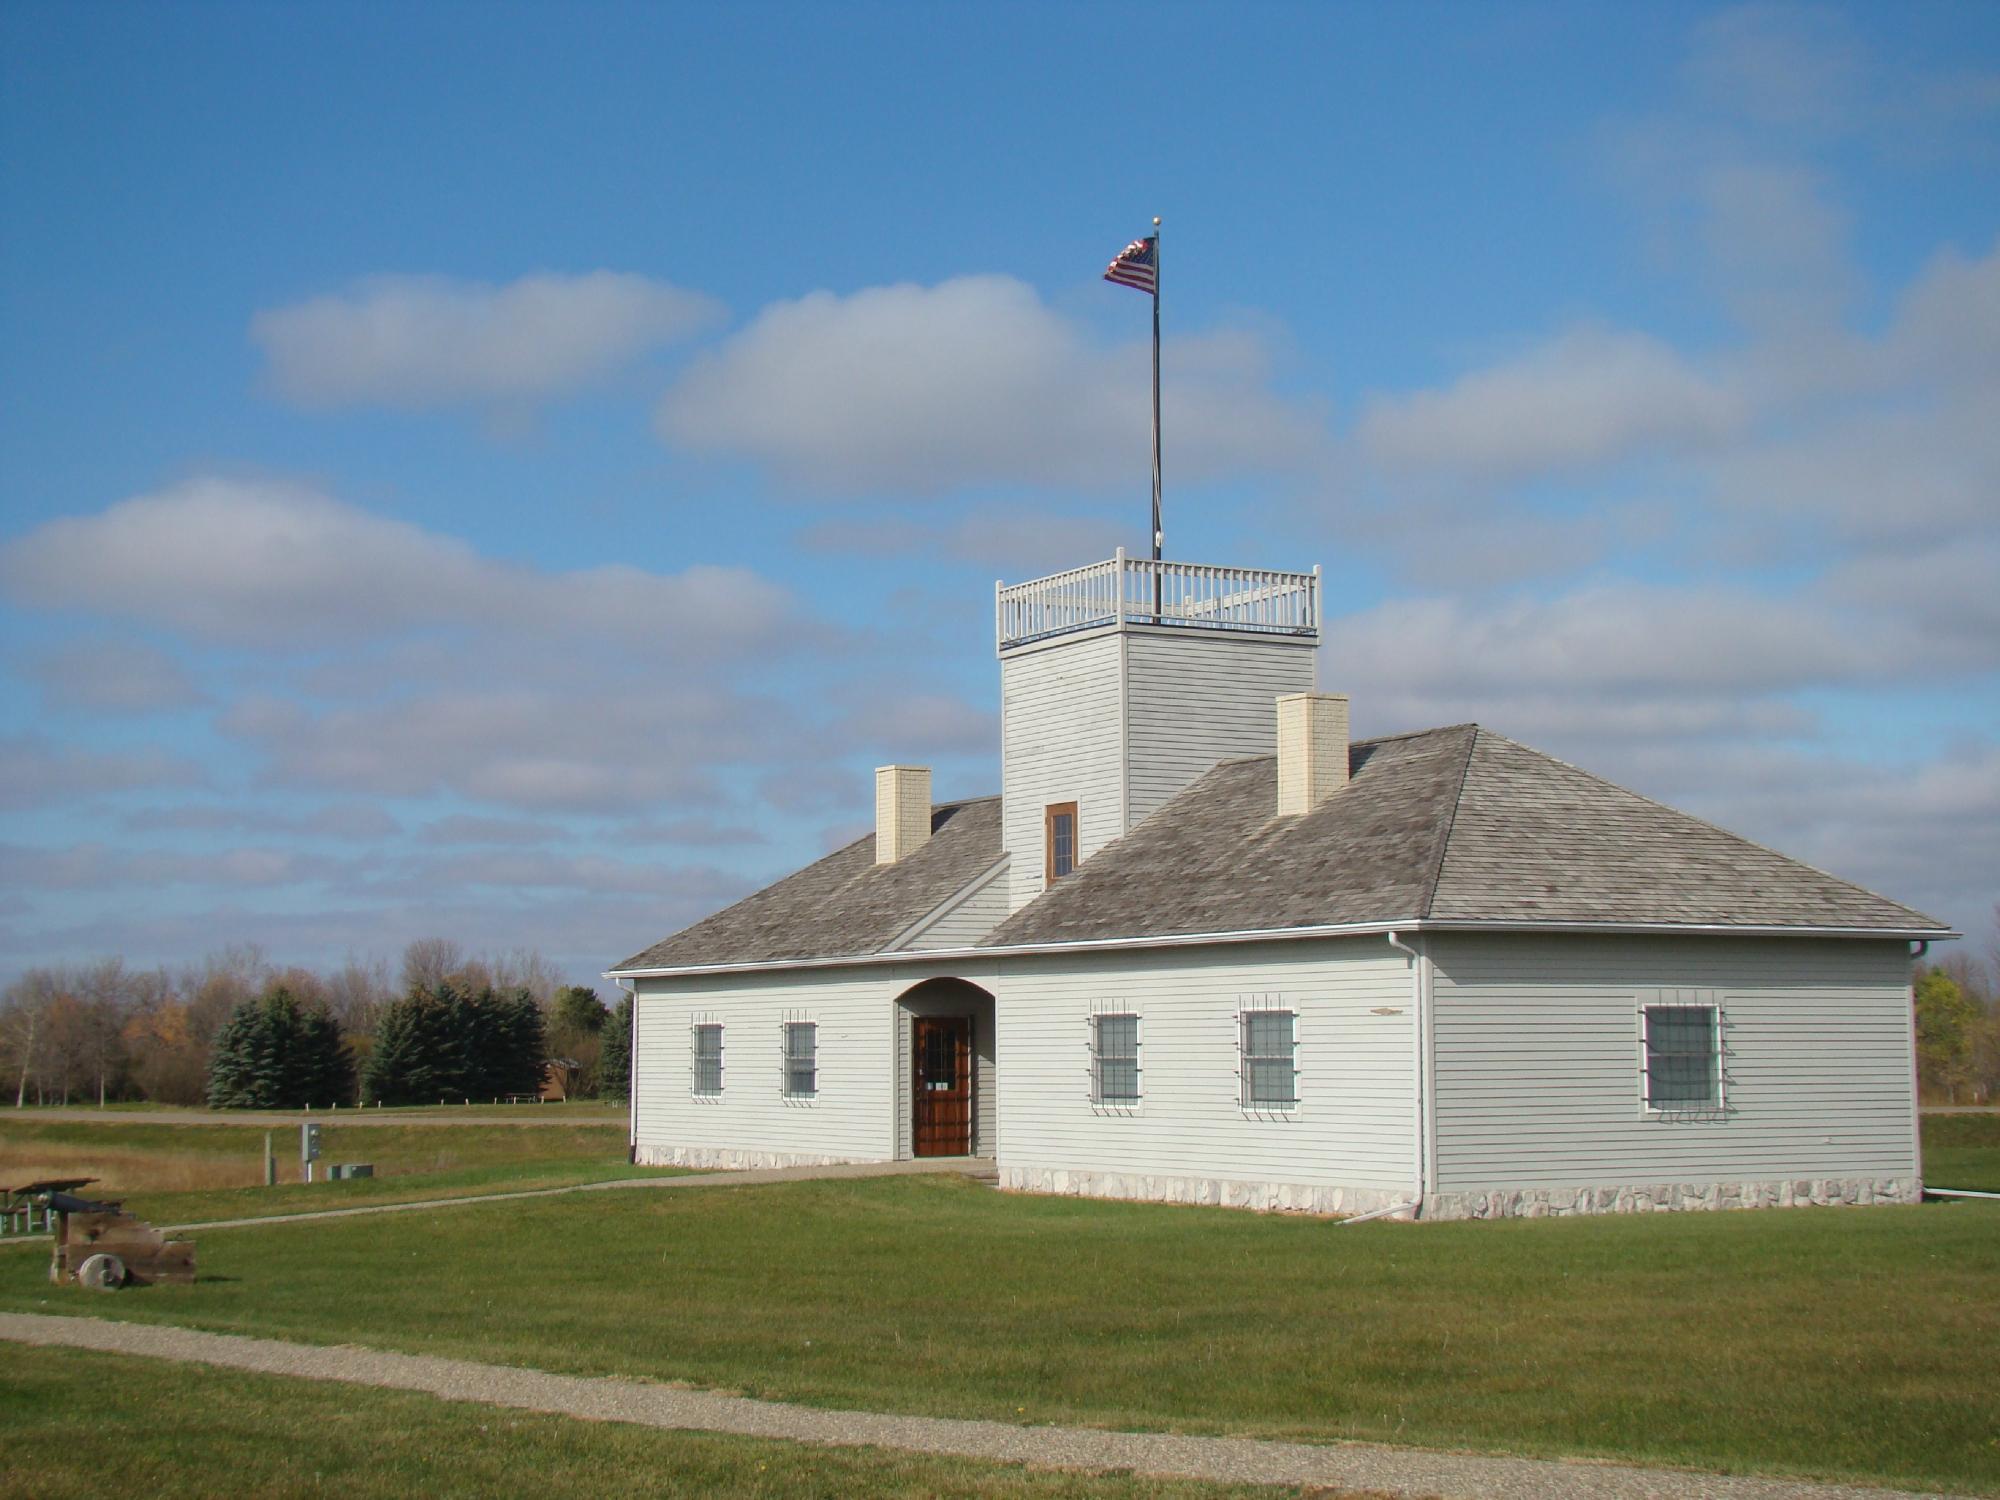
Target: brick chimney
[902,811]
[1312,750]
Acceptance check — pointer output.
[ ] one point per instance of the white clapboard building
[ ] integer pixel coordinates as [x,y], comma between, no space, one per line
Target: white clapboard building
[1206,948]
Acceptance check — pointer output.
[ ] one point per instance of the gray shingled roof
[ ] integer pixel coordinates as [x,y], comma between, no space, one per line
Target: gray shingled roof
[844,904]
[1217,858]
[1456,824]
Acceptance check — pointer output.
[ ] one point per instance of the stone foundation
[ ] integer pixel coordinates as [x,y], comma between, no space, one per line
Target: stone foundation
[724,1159]
[1510,1203]
[1671,1197]
[1218,1192]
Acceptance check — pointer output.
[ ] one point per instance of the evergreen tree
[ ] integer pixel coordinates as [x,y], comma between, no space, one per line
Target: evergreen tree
[521,1052]
[614,1066]
[329,1070]
[273,1053]
[444,1043]
[232,1067]
[418,1056]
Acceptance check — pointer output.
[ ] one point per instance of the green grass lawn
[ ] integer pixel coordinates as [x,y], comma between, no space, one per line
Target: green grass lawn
[178,1174]
[1963,1151]
[69,1418]
[1853,1343]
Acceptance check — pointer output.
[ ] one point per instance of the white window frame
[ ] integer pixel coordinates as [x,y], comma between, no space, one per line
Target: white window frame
[696,1026]
[1683,999]
[1112,1010]
[1255,1005]
[785,1029]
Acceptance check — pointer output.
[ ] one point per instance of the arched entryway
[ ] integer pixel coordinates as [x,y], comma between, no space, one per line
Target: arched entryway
[947,1078]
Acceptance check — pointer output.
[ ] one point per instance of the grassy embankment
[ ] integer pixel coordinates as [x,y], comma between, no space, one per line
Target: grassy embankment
[1848,1343]
[1963,1151]
[177,1174]
[250,1436]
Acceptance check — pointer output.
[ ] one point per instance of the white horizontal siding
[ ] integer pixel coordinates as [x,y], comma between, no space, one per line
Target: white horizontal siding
[855,1116]
[1061,741]
[1536,1061]
[976,912]
[1355,1124]
[1195,698]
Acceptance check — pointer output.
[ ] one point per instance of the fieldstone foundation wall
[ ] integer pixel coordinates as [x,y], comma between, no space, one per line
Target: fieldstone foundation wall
[724,1159]
[1511,1203]
[1671,1197]
[1286,1197]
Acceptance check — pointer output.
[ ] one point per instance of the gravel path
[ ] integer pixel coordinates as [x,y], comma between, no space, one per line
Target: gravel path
[1399,1471]
[750,1177]
[972,1166]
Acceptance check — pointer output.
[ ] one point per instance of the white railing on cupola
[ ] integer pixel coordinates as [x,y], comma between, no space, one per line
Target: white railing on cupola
[1139,591]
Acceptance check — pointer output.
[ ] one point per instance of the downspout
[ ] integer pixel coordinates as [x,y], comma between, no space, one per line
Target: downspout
[1919,949]
[631,1075]
[1417,1065]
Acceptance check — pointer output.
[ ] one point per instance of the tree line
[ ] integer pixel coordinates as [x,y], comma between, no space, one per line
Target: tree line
[237,1031]
[1958,1027]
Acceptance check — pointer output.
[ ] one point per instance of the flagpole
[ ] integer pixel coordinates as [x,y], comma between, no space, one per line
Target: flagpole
[1158,533]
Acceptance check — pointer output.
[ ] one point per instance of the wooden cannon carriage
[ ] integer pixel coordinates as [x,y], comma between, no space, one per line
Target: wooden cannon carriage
[99,1245]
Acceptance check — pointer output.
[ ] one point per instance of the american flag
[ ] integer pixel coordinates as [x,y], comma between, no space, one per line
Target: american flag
[1137,265]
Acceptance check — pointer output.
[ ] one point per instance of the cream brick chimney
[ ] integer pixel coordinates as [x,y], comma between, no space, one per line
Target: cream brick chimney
[902,811]
[1312,750]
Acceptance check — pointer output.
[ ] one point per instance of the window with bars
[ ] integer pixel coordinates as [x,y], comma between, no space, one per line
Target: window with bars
[1114,1059]
[801,1059]
[1270,1044]
[708,1058]
[1683,1057]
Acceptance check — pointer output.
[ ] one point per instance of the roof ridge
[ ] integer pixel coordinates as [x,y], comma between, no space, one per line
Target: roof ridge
[1790,859]
[1373,739]
[1450,822]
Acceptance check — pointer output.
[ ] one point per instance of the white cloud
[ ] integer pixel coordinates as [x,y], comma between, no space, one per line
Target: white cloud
[94,866]
[468,828]
[1894,473]
[694,831]
[359,822]
[973,382]
[420,341]
[266,564]
[586,746]
[1592,396]
[1619,661]
[1777,242]
[1782,67]
[106,676]
[35,771]
[1009,538]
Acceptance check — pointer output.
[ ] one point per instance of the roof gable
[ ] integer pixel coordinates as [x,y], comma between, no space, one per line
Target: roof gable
[843,904]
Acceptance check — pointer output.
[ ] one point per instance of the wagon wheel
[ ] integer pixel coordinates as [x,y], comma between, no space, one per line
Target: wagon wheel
[101,1273]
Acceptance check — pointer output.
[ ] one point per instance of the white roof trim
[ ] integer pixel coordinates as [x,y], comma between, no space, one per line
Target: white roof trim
[1277,934]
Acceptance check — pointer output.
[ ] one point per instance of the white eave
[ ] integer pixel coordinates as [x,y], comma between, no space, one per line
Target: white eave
[1280,934]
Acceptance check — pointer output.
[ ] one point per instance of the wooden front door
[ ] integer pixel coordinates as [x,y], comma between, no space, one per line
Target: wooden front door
[942,1079]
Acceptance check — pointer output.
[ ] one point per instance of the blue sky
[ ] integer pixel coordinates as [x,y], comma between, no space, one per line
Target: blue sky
[508,472]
